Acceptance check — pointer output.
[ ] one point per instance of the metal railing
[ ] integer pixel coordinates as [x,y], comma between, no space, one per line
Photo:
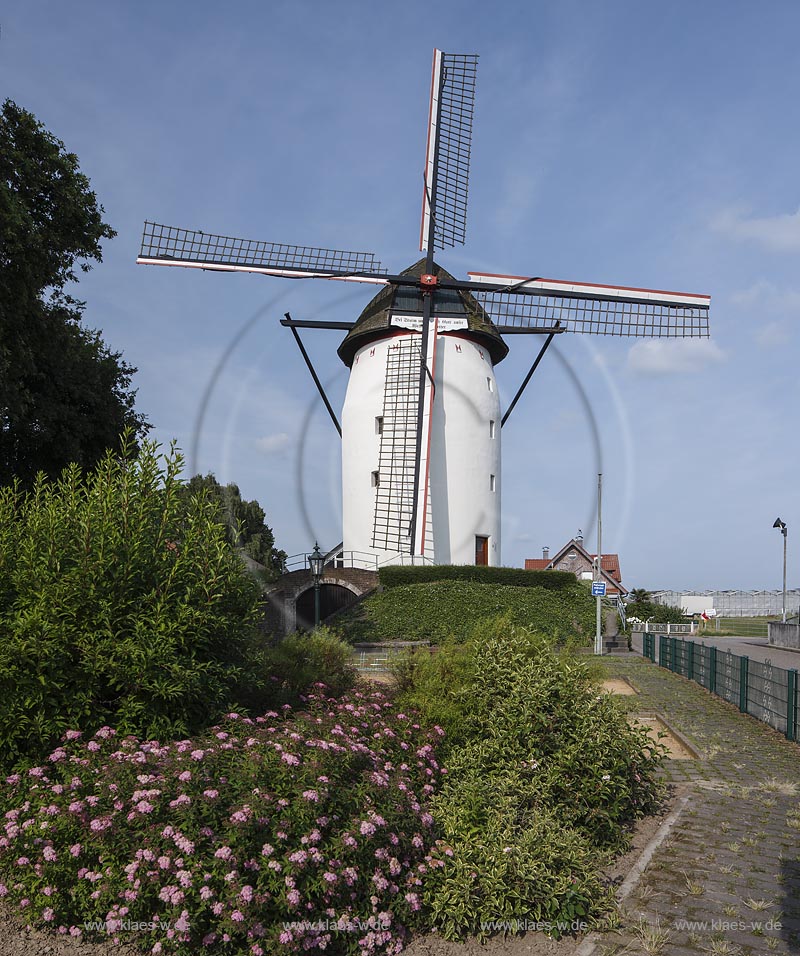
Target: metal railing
[758,688]
[648,627]
[334,559]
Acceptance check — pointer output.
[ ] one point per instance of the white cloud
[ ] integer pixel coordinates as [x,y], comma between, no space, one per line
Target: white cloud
[273,444]
[767,297]
[775,232]
[773,334]
[673,356]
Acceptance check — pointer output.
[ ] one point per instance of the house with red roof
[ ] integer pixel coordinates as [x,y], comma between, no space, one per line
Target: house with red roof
[575,558]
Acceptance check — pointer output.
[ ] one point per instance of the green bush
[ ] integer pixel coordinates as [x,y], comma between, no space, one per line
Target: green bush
[438,610]
[393,576]
[303,660]
[120,602]
[544,778]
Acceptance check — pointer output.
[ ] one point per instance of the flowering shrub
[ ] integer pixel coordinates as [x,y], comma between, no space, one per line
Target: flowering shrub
[295,831]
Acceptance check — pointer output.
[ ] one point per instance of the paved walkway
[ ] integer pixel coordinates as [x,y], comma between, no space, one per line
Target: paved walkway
[726,880]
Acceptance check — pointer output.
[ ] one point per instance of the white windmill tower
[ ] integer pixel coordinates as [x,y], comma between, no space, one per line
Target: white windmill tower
[421,419]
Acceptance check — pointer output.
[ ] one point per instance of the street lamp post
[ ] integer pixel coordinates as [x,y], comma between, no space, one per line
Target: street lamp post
[316,561]
[784,530]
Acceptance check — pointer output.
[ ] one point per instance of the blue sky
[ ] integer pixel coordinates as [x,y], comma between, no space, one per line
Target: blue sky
[626,142]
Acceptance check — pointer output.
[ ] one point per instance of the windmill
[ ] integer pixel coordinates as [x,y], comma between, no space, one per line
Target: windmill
[421,419]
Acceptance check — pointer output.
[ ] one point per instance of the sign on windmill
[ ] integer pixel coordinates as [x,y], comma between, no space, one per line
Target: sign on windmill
[421,421]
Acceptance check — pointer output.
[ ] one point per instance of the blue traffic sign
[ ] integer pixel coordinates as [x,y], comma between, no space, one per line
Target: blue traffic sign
[598,588]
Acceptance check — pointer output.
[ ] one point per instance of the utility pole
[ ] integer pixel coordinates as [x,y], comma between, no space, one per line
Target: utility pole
[598,637]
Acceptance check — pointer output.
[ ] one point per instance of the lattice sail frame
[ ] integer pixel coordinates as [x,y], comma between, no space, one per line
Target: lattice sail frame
[522,303]
[171,245]
[444,197]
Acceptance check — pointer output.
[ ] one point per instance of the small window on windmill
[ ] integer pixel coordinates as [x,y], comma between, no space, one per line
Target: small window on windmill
[491,483]
[491,429]
[379,425]
[489,384]
[376,479]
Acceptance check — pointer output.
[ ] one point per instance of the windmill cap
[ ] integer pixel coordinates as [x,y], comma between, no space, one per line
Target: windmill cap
[373,322]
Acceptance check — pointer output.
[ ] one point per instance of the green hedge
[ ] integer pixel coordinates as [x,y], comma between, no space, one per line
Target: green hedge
[397,575]
[437,610]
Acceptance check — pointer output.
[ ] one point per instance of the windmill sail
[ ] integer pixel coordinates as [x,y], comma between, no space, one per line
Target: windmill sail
[173,246]
[396,493]
[444,198]
[521,303]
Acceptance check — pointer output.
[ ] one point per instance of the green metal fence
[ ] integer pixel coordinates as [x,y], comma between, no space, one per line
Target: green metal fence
[757,688]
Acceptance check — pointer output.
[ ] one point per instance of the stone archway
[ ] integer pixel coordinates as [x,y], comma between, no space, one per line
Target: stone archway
[291,597]
[333,597]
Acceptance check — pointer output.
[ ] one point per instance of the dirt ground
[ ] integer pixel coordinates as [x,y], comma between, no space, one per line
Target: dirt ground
[16,940]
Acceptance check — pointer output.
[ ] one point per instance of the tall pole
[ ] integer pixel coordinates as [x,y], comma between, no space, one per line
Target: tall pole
[598,636]
[784,573]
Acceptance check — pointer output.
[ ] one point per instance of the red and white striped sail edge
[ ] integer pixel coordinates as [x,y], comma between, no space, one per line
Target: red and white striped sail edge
[430,150]
[261,270]
[590,290]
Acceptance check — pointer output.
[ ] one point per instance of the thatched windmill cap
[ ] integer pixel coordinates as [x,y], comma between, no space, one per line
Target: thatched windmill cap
[407,300]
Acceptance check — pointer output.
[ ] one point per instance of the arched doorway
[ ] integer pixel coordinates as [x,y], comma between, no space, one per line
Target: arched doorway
[332,598]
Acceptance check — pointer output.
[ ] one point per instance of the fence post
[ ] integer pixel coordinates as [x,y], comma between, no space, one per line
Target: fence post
[673,641]
[743,666]
[712,666]
[690,675]
[791,705]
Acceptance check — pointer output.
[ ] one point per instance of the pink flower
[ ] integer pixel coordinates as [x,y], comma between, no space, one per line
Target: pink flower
[237,916]
[206,892]
[311,795]
[93,746]
[50,854]
[246,893]
[197,754]
[185,776]
[224,853]
[211,794]
[267,850]
[48,915]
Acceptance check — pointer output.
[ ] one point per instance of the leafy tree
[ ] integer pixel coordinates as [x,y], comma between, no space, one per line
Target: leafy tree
[64,395]
[121,602]
[636,595]
[243,521]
